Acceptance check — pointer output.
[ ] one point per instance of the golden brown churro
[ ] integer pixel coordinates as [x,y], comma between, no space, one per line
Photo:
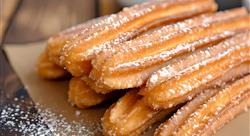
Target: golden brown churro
[58,41]
[48,70]
[177,89]
[138,58]
[93,85]
[166,54]
[82,96]
[172,124]
[231,94]
[54,70]
[117,28]
[130,115]
[230,112]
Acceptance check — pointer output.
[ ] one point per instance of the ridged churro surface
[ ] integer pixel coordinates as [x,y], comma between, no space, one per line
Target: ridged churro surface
[208,110]
[139,58]
[200,117]
[129,116]
[178,88]
[117,28]
[168,56]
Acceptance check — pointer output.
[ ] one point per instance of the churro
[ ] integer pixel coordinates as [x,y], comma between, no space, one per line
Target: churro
[230,95]
[131,115]
[171,126]
[91,83]
[58,41]
[112,31]
[82,96]
[230,112]
[139,58]
[168,56]
[177,89]
[48,70]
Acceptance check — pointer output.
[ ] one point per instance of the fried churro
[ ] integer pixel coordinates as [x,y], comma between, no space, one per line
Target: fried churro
[230,112]
[131,115]
[82,96]
[112,31]
[49,65]
[58,41]
[230,95]
[171,126]
[139,58]
[93,85]
[177,89]
[48,70]
[170,55]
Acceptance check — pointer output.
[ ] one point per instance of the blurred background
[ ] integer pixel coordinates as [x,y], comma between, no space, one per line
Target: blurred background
[25,21]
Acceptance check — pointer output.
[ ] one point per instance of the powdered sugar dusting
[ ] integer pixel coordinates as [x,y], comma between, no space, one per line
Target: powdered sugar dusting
[239,104]
[195,60]
[190,83]
[159,37]
[37,121]
[87,50]
[182,114]
[215,104]
[111,23]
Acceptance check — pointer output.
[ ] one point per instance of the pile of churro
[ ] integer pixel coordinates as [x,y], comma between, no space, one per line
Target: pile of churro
[178,58]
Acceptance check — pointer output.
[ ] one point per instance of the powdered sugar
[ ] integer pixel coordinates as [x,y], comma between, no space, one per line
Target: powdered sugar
[36,121]
[195,60]
[158,39]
